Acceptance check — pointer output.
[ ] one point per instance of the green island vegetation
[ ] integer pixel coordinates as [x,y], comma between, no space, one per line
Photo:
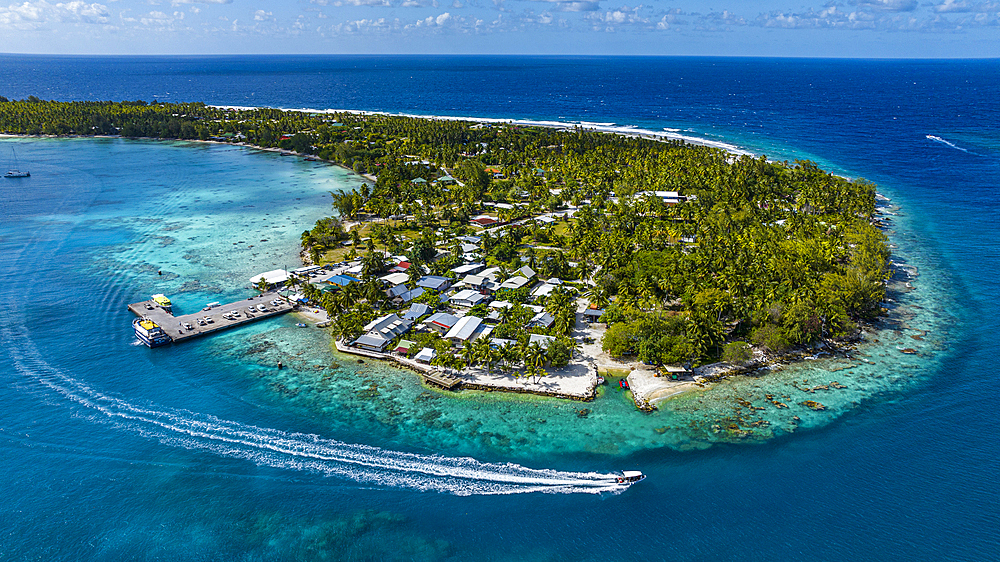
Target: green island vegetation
[688,253]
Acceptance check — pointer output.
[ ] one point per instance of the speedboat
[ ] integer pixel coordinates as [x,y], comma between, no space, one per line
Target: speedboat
[630,477]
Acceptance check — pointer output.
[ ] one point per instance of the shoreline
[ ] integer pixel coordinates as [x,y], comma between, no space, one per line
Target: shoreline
[612,128]
[649,392]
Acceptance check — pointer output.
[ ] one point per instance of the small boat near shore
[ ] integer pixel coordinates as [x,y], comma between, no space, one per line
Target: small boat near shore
[149,332]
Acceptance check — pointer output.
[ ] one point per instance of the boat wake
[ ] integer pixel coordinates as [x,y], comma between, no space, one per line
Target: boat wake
[303,452]
[947,143]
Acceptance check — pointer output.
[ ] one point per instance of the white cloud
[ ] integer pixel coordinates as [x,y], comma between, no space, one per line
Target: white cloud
[887,5]
[261,15]
[964,6]
[32,15]
[178,2]
[384,3]
[613,18]
[574,5]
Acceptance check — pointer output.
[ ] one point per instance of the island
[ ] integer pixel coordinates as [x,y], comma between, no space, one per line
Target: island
[499,256]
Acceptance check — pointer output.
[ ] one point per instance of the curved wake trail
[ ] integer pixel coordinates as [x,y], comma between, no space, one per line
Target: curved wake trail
[951,144]
[298,451]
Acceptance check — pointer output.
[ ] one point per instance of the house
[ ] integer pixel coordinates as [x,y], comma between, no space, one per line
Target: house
[394,279]
[501,342]
[468,269]
[593,314]
[469,248]
[541,340]
[404,346]
[271,278]
[342,280]
[415,311]
[397,291]
[307,270]
[468,298]
[515,283]
[426,355]
[434,282]
[372,342]
[401,267]
[389,325]
[441,322]
[469,239]
[401,293]
[668,197]
[526,272]
[543,290]
[468,328]
[381,331]
[490,272]
[542,320]
[446,179]
[484,221]
[675,372]
[412,294]
[477,282]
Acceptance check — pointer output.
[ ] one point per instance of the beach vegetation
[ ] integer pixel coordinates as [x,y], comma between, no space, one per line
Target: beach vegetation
[687,248]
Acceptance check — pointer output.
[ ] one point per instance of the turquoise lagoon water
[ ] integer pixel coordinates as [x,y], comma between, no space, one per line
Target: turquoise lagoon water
[105,222]
[195,221]
[207,451]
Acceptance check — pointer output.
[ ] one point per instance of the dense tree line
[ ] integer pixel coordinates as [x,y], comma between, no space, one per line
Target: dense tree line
[776,253]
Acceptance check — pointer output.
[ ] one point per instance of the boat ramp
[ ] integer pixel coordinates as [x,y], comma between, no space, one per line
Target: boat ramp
[215,318]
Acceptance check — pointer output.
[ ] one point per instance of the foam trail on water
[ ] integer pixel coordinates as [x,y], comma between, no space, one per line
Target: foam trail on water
[297,451]
[947,143]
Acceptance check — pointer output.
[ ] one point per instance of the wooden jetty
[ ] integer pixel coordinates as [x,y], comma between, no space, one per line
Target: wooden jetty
[216,320]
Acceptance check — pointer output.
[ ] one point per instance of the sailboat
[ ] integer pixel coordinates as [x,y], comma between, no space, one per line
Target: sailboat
[14,171]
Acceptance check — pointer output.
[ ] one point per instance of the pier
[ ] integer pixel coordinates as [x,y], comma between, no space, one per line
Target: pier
[216,317]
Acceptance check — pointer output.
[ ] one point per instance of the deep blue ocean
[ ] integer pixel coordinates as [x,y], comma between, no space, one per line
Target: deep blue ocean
[205,451]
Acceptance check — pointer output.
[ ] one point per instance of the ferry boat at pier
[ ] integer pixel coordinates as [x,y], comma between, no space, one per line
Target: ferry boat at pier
[163,302]
[149,332]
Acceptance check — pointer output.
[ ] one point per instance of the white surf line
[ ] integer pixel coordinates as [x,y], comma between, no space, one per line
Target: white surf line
[271,447]
[627,130]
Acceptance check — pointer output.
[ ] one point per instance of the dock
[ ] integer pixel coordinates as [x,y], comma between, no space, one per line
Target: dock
[174,326]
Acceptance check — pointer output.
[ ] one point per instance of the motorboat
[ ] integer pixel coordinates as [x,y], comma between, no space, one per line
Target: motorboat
[630,477]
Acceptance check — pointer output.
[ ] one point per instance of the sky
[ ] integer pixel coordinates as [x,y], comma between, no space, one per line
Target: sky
[782,28]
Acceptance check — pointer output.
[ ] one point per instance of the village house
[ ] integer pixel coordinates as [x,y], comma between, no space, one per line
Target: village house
[441,322]
[467,298]
[381,331]
[468,328]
